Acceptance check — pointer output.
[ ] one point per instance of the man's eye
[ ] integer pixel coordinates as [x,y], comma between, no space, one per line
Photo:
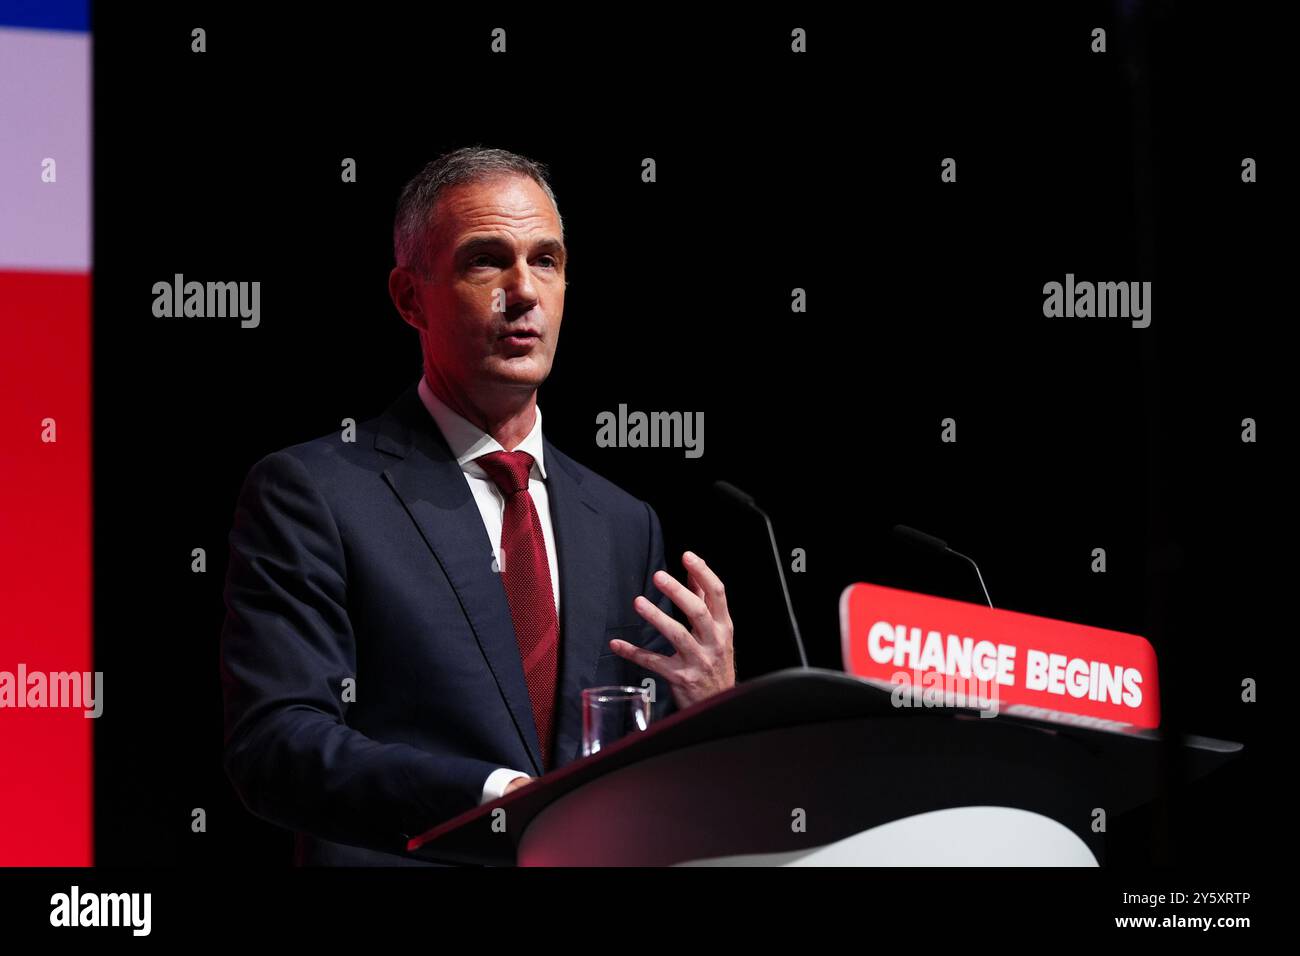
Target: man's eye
[480,261]
[548,261]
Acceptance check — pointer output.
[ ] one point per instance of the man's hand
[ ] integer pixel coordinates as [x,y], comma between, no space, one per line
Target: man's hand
[516,783]
[704,664]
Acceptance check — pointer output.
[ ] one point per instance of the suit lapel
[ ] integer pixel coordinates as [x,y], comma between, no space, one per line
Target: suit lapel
[434,492]
[582,546]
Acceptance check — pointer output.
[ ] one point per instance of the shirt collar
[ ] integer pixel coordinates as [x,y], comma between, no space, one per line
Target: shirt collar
[467,441]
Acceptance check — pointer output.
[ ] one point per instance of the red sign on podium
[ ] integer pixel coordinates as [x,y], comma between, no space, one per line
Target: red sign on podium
[948,651]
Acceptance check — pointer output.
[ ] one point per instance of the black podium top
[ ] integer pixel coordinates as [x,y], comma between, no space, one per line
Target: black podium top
[798,696]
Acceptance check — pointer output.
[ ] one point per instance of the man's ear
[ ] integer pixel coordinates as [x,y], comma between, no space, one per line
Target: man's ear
[404,290]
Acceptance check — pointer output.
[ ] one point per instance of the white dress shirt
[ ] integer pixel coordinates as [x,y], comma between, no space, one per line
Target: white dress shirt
[467,442]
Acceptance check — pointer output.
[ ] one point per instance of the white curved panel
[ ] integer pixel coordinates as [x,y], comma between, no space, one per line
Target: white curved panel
[962,836]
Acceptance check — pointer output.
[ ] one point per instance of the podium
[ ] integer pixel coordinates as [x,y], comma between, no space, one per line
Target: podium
[816,767]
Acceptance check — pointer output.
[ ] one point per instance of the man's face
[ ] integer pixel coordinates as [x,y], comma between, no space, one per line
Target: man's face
[497,247]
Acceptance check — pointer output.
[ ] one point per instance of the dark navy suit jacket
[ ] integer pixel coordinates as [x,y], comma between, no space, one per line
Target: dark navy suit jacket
[369,560]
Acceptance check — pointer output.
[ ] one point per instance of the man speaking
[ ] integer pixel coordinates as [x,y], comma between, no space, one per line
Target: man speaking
[412,616]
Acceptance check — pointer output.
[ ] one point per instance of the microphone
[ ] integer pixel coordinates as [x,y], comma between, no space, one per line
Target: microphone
[928,542]
[735,494]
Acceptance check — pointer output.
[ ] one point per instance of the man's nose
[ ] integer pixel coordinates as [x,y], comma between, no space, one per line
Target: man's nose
[519,285]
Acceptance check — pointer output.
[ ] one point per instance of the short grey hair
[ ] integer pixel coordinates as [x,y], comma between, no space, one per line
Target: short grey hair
[471,164]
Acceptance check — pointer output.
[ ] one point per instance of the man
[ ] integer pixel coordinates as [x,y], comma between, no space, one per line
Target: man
[412,616]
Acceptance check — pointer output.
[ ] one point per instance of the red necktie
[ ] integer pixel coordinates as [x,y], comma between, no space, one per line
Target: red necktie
[527,579]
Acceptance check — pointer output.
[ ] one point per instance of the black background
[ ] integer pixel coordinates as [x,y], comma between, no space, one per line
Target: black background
[775,171]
